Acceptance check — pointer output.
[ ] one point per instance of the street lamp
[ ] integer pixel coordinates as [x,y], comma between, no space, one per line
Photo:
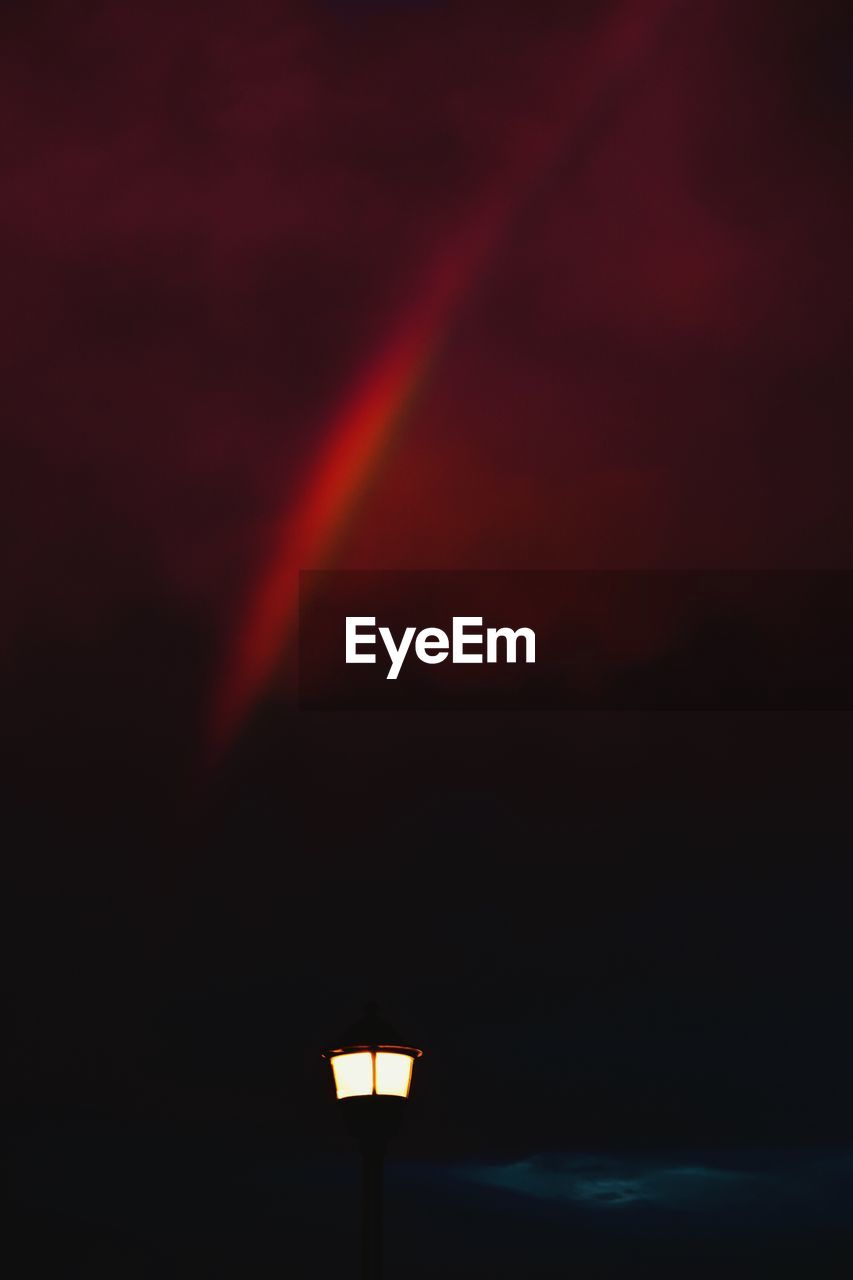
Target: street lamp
[372,1075]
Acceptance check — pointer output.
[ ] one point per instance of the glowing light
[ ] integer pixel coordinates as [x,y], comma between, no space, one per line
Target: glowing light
[353,1074]
[357,1075]
[393,1074]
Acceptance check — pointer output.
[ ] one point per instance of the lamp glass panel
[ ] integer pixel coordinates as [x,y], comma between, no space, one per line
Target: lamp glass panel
[353,1074]
[393,1074]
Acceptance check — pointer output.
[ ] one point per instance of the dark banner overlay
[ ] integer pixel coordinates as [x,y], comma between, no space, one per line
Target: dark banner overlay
[592,640]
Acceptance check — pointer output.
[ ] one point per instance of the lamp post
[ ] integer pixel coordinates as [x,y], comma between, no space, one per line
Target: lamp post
[372,1074]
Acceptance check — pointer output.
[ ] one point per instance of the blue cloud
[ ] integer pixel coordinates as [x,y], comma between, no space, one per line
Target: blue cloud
[614,1182]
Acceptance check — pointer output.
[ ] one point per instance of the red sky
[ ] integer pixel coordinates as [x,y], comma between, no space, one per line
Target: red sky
[215,219]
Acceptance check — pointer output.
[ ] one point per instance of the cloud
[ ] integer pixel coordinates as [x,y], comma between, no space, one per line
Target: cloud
[614,1182]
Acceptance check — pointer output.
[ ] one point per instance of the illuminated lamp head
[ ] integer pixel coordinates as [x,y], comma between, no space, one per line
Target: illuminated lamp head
[372,1060]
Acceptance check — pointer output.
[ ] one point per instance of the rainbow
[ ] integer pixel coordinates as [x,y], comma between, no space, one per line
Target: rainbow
[362,430]
[356,444]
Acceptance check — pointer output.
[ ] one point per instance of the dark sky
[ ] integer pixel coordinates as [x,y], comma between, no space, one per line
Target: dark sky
[620,235]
